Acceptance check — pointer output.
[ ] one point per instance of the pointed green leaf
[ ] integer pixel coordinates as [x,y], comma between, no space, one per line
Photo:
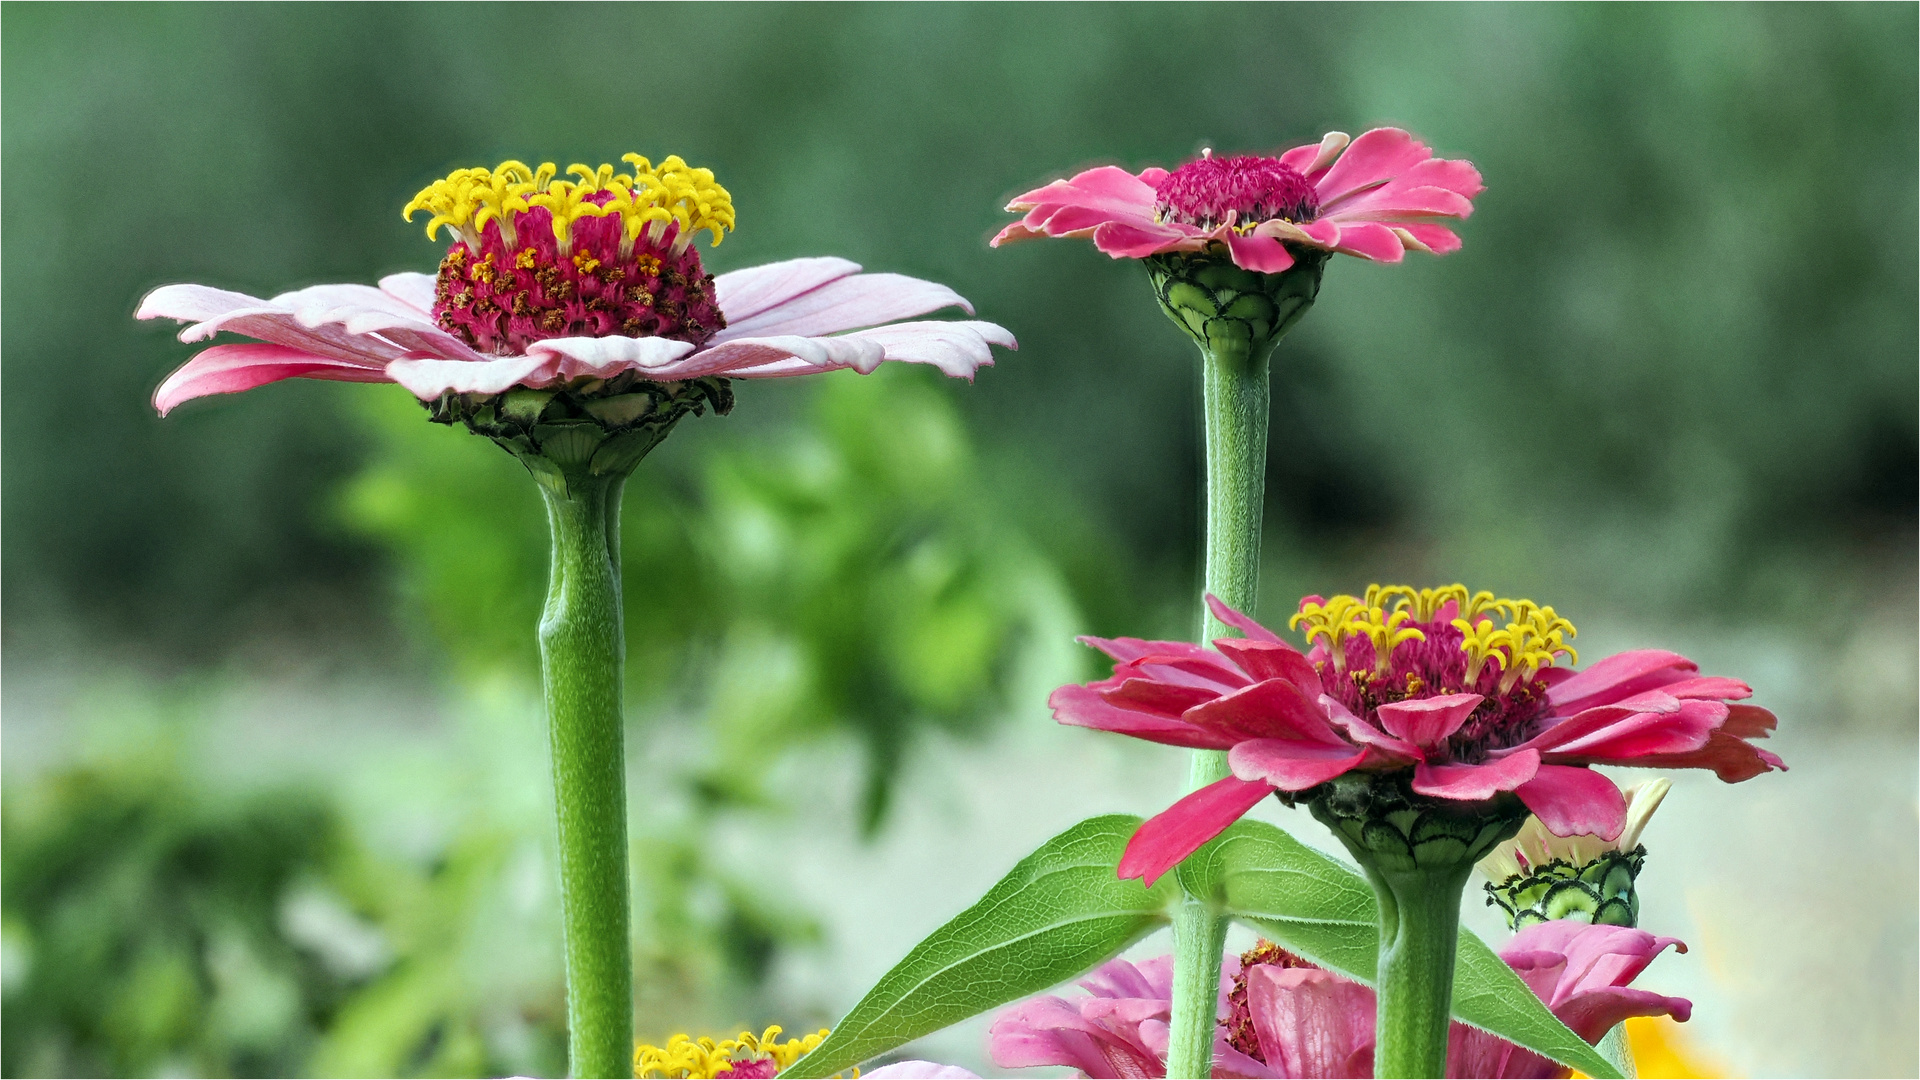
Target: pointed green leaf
[1324,910]
[1059,912]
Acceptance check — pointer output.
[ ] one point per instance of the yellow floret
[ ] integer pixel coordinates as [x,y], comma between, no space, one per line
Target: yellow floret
[649,198]
[702,1059]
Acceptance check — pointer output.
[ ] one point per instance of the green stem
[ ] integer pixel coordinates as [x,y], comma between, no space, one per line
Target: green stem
[1235,395]
[1419,931]
[582,652]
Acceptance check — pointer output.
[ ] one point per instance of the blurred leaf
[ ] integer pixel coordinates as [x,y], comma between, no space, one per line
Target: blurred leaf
[1059,912]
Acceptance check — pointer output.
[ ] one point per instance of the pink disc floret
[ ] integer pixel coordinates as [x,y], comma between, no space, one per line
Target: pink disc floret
[1241,189]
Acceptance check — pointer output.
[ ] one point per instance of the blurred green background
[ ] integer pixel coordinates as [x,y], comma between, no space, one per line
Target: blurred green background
[275,797]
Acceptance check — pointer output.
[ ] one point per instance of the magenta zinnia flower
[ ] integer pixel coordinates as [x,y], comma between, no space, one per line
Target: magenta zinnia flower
[1376,196]
[552,282]
[1282,1016]
[1467,707]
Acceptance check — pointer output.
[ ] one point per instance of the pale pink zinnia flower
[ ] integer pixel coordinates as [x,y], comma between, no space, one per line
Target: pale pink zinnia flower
[1376,196]
[1281,1016]
[555,282]
[1421,682]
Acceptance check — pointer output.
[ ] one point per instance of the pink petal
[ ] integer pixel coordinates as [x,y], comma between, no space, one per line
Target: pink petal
[1749,722]
[1665,726]
[1261,254]
[1400,201]
[1370,240]
[1587,969]
[1014,234]
[229,369]
[764,357]
[1437,239]
[1311,1023]
[919,1070]
[1208,671]
[429,378]
[844,304]
[414,290]
[1124,240]
[1428,722]
[1239,621]
[1273,709]
[1182,828]
[1293,765]
[192,303]
[1317,157]
[1081,706]
[958,348]
[1271,660]
[1730,759]
[1373,158]
[1572,801]
[1160,698]
[1474,783]
[218,309]
[1362,732]
[1616,677]
[743,294]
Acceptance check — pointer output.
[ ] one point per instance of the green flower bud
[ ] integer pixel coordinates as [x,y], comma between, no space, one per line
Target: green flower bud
[1225,308]
[1598,892]
[592,428]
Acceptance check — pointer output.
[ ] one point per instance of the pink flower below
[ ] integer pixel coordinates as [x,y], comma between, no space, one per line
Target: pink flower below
[1468,724]
[1282,1017]
[1377,197]
[787,318]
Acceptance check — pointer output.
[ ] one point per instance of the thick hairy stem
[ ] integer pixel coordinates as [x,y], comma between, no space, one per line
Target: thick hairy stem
[582,653]
[1419,931]
[1234,382]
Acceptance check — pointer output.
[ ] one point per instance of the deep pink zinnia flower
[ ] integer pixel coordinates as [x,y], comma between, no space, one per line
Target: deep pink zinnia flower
[1281,1016]
[553,282]
[1469,705]
[1376,196]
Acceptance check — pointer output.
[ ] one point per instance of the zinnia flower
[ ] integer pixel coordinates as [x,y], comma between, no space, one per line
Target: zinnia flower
[1435,691]
[1376,196]
[551,282]
[1282,1016]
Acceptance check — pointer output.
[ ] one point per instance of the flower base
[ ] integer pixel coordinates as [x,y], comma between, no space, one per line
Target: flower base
[592,428]
[1227,309]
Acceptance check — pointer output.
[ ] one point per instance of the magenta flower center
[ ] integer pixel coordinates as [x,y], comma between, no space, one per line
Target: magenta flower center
[503,297]
[1240,190]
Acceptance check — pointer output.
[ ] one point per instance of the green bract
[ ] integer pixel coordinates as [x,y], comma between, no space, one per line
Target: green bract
[1223,307]
[1598,892]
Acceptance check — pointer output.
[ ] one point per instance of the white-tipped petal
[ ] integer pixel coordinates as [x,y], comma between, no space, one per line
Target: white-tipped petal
[429,378]
[605,357]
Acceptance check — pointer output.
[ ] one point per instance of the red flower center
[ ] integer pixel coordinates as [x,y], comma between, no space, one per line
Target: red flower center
[1245,189]
[504,297]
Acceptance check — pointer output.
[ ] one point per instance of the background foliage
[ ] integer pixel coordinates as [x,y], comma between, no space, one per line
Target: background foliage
[1671,376]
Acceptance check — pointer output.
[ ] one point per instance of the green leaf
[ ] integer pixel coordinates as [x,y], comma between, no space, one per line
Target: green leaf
[1059,912]
[1324,910]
